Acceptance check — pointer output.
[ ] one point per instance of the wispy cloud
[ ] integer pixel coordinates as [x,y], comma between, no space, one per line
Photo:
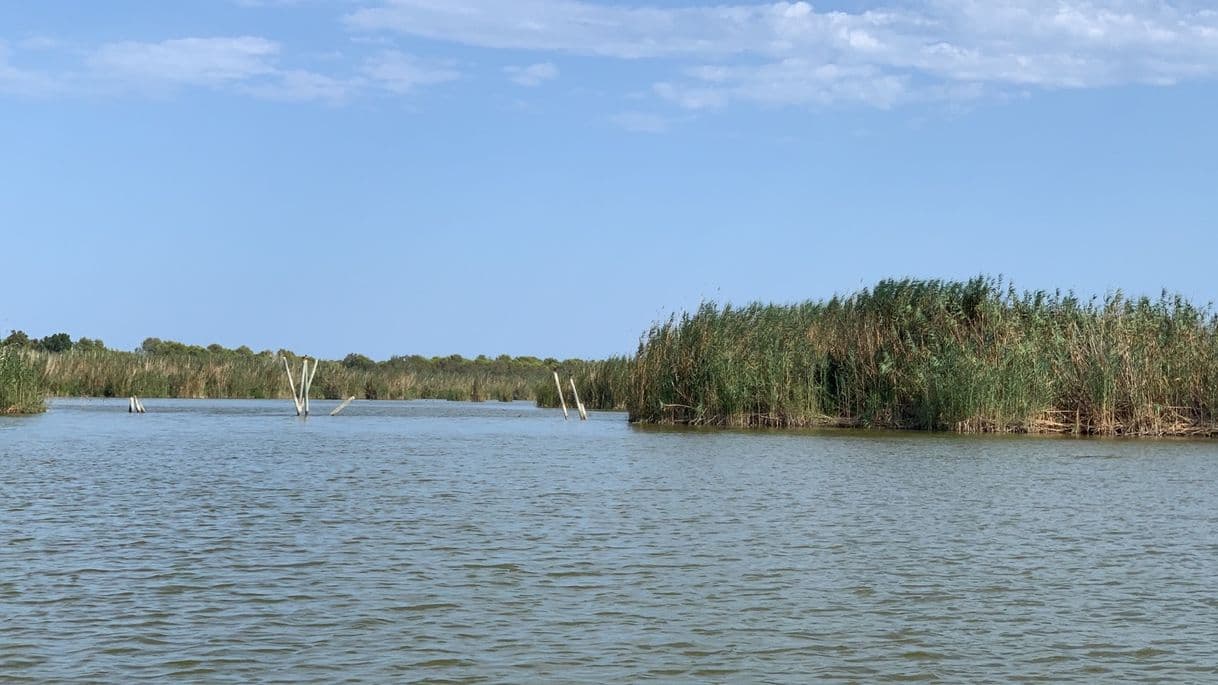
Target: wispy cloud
[691,57]
[187,61]
[791,81]
[533,75]
[39,42]
[563,26]
[281,3]
[790,53]
[400,73]
[297,85]
[640,122]
[15,80]
[247,65]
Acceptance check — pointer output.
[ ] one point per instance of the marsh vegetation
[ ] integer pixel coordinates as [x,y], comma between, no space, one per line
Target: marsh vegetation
[21,390]
[170,369]
[974,356]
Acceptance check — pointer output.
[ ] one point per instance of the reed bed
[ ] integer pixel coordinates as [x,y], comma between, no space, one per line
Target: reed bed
[202,373]
[21,391]
[603,384]
[975,356]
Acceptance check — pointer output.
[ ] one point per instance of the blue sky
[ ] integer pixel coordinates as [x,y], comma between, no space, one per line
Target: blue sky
[549,177]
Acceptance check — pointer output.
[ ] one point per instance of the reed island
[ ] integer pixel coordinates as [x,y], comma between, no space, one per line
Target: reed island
[975,356]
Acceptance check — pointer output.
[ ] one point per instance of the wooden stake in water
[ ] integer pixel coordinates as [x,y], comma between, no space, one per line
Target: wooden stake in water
[292,385]
[304,387]
[300,396]
[558,384]
[342,406]
[583,415]
[309,386]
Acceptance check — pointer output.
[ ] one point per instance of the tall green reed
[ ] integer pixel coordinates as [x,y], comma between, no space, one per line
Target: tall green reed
[182,371]
[937,355]
[21,391]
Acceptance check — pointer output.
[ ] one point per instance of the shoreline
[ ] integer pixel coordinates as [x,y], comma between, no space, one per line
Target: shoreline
[824,425]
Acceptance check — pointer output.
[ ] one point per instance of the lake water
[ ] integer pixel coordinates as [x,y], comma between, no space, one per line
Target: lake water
[449,542]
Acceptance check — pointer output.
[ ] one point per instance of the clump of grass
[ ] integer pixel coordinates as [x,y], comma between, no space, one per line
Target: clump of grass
[938,355]
[20,387]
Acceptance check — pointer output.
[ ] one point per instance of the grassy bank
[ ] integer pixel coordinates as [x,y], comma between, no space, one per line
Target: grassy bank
[972,356]
[21,390]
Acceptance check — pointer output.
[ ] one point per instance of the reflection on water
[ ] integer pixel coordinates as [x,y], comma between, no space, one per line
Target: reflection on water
[437,541]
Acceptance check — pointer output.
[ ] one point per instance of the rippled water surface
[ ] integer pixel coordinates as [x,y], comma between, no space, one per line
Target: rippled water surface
[446,542]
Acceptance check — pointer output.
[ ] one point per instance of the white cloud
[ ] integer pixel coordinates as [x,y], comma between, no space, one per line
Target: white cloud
[640,122]
[15,80]
[244,64]
[791,53]
[187,61]
[791,81]
[693,96]
[710,56]
[564,26]
[400,73]
[252,66]
[273,3]
[532,75]
[39,42]
[302,86]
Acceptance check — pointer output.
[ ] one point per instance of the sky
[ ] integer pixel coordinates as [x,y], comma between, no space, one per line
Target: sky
[550,177]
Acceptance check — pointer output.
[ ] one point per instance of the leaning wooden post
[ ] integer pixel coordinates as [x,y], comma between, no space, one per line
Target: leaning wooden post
[343,406]
[558,384]
[583,415]
[292,385]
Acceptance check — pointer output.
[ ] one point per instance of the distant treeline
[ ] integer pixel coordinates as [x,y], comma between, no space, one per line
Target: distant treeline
[167,368]
[56,342]
[937,355]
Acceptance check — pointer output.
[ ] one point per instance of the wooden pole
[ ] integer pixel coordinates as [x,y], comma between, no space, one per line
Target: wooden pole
[558,384]
[130,405]
[309,386]
[343,406]
[295,397]
[139,406]
[304,392]
[304,386]
[583,415]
